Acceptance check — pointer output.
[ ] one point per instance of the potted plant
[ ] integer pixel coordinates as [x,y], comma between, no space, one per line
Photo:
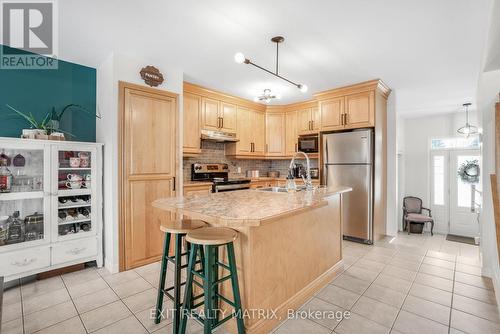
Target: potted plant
[49,125]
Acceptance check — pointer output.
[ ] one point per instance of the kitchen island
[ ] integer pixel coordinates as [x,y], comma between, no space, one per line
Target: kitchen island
[289,245]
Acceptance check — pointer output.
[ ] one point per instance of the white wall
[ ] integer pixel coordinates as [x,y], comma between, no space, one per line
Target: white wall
[392,167]
[416,136]
[121,67]
[487,96]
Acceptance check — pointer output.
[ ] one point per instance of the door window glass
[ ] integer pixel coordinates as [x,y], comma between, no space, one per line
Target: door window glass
[464,189]
[438,170]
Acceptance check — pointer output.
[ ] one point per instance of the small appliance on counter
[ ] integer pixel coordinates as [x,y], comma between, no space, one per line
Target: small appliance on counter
[314,173]
[218,174]
[253,173]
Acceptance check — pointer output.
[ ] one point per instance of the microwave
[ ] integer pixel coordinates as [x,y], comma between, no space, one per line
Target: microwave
[308,144]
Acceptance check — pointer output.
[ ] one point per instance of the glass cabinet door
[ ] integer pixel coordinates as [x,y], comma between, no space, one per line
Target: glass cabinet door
[24,194]
[75,180]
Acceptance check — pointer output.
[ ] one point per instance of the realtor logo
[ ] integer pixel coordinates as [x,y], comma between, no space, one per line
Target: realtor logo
[29,26]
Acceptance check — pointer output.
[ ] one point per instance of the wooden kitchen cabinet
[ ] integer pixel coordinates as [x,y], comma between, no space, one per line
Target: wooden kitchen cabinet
[331,113]
[360,110]
[258,132]
[275,134]
[291,133]
[210,114]
[218,115]
[228,117]
[201,188]
[251,125]
[192,121]
[308,120]
[147,171]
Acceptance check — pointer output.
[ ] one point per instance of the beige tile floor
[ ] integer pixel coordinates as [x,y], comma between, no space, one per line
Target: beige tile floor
[409,284]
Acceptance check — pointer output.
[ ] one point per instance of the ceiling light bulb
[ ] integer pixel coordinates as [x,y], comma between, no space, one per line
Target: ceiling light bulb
[239,58]
[256,99]
[303,88]
[278,96]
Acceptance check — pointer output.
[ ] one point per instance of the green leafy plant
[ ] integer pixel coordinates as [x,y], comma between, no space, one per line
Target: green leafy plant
[50,121]
[32,121]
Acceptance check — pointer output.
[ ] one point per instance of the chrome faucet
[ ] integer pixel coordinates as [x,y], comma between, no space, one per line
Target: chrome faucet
[307,180]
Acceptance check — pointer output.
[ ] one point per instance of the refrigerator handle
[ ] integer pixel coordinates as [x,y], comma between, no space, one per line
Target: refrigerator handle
[326,175]
[326,152]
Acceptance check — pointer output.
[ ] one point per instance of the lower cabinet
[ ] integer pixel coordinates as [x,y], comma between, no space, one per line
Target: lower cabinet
[190,189]
[73,250]
[25,260]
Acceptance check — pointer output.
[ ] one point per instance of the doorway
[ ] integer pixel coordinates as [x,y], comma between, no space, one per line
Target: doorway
[454,202]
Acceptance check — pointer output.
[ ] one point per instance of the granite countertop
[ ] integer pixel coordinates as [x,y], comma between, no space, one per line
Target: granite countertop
[247,207]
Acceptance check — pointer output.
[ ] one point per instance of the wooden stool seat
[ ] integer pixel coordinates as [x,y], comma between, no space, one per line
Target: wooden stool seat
[207,236]
[181,226]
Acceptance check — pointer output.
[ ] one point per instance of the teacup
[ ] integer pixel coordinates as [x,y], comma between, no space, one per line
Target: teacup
[74,177]
[74,162]
[74,185]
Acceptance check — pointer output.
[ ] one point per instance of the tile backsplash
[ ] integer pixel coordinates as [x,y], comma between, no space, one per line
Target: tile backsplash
[213,152]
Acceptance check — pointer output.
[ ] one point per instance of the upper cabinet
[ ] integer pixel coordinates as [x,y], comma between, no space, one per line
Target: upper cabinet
[360,110]
[210,114]
[308,117]
[228,117]
[275,134]
[352,107]
[192,119]
[251,125]
[291,133]
[331,114]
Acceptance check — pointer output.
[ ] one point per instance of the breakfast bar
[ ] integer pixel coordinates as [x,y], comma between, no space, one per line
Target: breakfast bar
[289,245]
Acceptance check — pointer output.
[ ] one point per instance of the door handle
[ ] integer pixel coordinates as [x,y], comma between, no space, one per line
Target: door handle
[312,125]
[222,122]
[295,147]
[267,148]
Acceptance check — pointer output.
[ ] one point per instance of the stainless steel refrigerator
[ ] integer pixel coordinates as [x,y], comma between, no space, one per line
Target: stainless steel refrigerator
[348,161]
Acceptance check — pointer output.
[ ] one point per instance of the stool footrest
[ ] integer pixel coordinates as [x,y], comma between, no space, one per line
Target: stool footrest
[223,265]
[221,280]
[230,302]
[220,322]
[198,284]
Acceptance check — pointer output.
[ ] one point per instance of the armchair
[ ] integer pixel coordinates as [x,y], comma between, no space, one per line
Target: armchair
[412,213]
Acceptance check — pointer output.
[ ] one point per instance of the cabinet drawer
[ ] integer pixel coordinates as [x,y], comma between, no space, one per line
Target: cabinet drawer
[24,260]
[73,250]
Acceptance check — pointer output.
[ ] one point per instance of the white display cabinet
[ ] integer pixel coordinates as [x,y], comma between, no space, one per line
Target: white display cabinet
[51,216]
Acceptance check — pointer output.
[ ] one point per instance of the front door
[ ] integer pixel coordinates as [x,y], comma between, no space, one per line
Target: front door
[463,218]
[451,198]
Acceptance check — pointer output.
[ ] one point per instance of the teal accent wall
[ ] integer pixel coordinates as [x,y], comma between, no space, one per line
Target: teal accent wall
[37,91]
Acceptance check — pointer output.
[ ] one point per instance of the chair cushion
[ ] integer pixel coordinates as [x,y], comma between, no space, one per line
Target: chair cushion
[417,217]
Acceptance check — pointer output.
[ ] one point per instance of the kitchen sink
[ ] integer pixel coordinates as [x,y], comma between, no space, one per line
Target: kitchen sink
[274,189]
[280,189]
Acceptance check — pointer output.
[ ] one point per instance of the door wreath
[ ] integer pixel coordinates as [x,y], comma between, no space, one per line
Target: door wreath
[469,171]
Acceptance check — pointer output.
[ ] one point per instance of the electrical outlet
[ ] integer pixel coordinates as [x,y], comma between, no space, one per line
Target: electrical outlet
[239,170]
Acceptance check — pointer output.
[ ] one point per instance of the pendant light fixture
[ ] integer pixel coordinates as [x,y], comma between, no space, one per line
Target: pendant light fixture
[467,129]
[267,96]
[240,59]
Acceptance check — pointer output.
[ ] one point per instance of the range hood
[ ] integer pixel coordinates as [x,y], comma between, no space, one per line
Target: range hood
[218,136]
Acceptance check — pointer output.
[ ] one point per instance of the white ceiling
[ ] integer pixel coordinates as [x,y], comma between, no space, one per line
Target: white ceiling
[428,51]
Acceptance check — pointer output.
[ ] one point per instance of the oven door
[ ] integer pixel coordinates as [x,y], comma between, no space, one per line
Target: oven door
[308,144]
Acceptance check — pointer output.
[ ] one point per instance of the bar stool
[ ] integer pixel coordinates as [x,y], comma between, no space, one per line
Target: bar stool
[207,241]
[179,228]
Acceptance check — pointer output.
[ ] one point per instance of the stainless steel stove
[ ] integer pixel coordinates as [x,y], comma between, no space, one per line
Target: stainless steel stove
[218,174]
